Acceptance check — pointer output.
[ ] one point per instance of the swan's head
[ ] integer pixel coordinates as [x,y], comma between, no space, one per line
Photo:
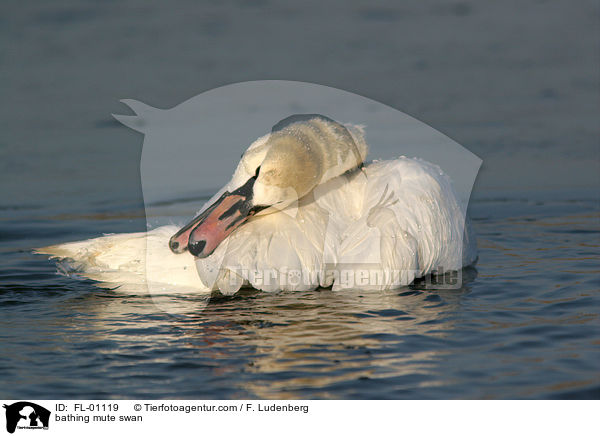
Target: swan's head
[300,153]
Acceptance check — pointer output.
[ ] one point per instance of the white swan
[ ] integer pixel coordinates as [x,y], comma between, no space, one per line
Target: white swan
[300,212]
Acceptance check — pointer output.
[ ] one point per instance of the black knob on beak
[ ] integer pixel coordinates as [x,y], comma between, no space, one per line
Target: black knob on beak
[197,247]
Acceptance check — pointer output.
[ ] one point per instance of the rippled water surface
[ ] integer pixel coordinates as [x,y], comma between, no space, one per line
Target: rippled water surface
[524,324]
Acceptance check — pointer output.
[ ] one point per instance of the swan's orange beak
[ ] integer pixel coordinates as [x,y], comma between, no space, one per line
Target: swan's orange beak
[202,235]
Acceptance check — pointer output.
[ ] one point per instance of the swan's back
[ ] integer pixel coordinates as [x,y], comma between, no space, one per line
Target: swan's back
[410,224]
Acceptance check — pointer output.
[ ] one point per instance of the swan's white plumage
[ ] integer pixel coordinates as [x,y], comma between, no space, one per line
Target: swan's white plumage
[120,260]
[392,216]
[399,215]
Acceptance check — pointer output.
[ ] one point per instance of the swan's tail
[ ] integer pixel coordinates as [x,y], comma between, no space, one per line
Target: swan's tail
[131,262]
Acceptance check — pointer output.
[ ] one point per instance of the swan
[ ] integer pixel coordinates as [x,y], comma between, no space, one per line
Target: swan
[302,210]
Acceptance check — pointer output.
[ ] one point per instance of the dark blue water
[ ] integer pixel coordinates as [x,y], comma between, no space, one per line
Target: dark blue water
[515,83]
[524,325]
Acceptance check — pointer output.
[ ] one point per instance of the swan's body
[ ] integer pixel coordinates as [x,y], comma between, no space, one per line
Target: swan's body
[299,213]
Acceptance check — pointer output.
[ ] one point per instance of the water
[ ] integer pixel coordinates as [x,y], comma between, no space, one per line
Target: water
[518,89]
[523,325]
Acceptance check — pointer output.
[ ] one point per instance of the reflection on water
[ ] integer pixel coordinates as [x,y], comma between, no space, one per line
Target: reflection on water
[324,339]
[320,344]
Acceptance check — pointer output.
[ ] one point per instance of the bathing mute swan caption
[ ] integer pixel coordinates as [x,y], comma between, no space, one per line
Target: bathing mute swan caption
[303,210]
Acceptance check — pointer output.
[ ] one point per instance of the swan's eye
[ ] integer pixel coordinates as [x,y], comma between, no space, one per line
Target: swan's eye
[257,209]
